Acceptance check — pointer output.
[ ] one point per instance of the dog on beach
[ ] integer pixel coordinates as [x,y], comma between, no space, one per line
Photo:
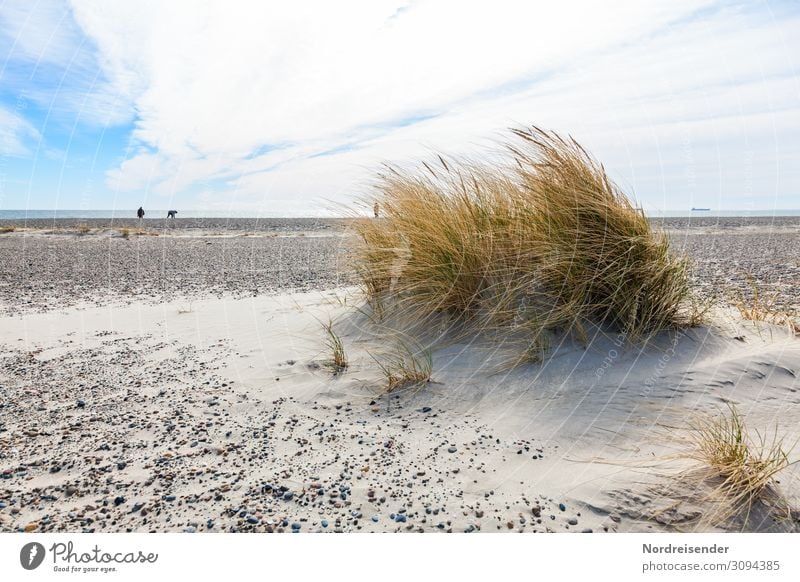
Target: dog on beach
[171,213]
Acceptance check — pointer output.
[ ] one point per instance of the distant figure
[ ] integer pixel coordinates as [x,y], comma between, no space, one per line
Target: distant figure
[140,213]
[171,214]
[376,209]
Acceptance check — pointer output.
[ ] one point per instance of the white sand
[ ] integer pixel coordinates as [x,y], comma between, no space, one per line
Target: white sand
[598,417]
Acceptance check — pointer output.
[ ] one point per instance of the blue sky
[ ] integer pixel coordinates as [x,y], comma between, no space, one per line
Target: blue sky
[289,109]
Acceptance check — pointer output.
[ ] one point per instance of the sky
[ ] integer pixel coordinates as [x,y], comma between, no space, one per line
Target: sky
[290,108]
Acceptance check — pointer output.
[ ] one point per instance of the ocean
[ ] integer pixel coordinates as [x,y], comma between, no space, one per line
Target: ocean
[38,214]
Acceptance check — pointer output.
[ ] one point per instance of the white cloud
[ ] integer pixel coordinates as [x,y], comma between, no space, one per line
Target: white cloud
[245,95]
[15,133]
[46,53]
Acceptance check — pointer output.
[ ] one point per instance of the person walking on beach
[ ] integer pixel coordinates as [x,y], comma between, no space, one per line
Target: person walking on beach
[140,214]
[376,209]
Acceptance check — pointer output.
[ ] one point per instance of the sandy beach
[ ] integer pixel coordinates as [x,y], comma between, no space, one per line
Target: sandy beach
[176,380]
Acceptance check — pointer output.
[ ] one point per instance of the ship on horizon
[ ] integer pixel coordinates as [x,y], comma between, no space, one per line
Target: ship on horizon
[700,209]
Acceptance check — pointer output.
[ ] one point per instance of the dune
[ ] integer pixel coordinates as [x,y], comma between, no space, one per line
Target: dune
[222,415]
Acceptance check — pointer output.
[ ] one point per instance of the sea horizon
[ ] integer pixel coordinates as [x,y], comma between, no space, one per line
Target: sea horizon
[56,214]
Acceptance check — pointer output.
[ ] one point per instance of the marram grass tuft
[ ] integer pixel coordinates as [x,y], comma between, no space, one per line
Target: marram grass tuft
[541,242]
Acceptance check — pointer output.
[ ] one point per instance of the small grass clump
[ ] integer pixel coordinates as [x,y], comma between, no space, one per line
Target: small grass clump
[338,360]
[543,241]
[406,365]
[763,307]
[6,228]
[84,229]
[125,232]
[739,469]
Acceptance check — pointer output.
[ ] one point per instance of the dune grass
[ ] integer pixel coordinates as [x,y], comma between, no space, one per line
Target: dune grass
[406,365]
[739,469]
[541,241]
[125,232]
[7,228]
[338,361]
[84,229]
[761,306]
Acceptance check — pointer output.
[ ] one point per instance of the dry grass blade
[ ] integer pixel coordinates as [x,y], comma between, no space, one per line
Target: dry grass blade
[738,469]
[406,366]
[338,360]
[546,240]
[762,307]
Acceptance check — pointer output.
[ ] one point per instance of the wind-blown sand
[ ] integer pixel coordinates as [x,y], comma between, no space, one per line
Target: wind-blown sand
[212,410]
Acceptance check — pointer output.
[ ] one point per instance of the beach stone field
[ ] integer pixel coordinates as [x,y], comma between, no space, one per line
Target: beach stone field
[47,265]
[173,426]
[51,264]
